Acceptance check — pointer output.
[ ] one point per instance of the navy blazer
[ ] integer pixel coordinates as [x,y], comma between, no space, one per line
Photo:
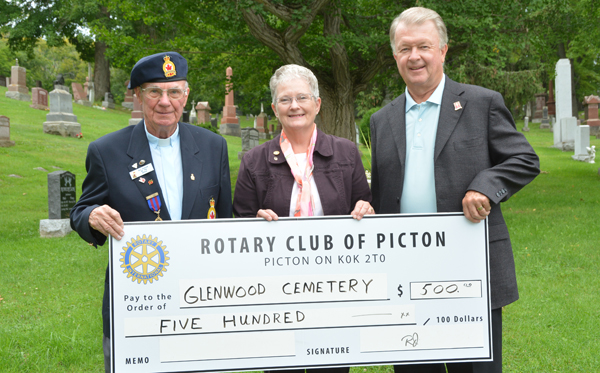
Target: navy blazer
[111,158]
[478,148]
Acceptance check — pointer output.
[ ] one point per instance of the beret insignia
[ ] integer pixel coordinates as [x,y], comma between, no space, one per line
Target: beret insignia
[169,67]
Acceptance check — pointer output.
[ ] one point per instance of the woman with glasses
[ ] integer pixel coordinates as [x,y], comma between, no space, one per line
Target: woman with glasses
[302,171]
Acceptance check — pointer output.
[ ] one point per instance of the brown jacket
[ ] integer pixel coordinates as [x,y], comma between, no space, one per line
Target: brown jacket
[265,182]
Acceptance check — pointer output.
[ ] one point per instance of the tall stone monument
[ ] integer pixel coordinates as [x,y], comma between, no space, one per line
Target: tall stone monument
[230,124]
[203,112]
[60,120]
[61,199]
[17,89]
[5,132]
[136,114]
[193,114]
[128,101]
[39,98]
[564,128]
[591,114]
[551,103]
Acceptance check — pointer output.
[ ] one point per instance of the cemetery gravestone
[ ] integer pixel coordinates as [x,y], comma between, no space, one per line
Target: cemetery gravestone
[249,140]
[261,124]
[185,116]
[136,114]
[591,114]
[203,112]
[5,141]
[551,103]
[108,101]
[526,124]
[128,101]
[59,83]
[79,95]
[230,124]
[193,114]
[564,127]
[17,89]
[61,199]
[39,98]
[60,120]
[545,123]
[540,102]
[582,143]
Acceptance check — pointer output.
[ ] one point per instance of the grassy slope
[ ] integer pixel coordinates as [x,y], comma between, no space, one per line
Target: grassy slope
[50,289]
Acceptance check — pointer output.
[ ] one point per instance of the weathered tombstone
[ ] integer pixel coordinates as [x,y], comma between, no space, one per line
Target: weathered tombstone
[540,102]
[564,109]
[128,101]
[61,199]
[17,89]
[185,116]
[261,124]
[551,103]
[91,93]
[203,112]
[60,120]
[591,114]
[5,132]
[108,101]
[582,142]
[230,124]
[136,114]
[249,140]
[545,119]
[86,86]
[39,98]
[79,95]
[526,124]
[7,81]
[2,81]
[193,114]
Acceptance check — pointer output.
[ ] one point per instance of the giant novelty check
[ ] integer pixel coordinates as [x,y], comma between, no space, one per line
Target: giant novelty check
[247,294]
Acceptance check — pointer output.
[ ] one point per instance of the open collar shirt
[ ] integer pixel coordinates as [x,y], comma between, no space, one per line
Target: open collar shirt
[418,192]
[166,155]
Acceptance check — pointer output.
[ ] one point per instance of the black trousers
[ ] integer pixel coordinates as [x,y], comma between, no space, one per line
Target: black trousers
[491,367]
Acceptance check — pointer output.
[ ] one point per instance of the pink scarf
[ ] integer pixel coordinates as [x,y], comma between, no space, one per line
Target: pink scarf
[305,203]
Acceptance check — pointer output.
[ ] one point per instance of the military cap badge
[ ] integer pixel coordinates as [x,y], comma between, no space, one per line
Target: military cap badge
[169,67]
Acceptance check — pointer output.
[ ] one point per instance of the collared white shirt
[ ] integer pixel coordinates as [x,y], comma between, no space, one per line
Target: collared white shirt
[166,155]
[418,192]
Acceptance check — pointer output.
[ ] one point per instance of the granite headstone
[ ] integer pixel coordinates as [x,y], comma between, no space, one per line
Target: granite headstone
[5,141]
[61,199]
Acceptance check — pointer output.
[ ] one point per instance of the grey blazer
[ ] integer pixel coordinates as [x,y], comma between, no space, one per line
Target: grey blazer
[478,148]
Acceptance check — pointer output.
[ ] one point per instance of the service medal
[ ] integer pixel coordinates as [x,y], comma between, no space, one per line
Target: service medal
[212,213]
[154,204]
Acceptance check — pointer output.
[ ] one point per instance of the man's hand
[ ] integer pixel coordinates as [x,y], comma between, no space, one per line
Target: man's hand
[361,209]
[268,215]
[107,220]
[476,206]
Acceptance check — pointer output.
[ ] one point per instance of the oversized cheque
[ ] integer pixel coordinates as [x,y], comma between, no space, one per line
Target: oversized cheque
[246,294]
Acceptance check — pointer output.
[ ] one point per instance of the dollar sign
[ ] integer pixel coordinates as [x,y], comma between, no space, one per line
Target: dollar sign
[400,292]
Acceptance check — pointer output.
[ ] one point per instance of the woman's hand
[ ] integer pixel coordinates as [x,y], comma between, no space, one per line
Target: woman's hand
[361,209]
[268,215]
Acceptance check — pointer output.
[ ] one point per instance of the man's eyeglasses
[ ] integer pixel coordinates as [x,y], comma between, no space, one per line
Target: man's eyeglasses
[302,98]
[172,93]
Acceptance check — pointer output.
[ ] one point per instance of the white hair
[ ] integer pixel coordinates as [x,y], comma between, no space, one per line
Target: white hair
[290,72]
[418,16]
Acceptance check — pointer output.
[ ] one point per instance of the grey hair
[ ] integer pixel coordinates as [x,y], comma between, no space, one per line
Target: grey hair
[418,16]
[290,72]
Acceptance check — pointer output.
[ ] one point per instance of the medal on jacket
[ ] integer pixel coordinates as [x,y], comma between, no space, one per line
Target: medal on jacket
[154,204]
[212,213]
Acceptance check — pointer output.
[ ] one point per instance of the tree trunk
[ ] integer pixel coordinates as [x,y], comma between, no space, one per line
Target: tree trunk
[337,113]
[101,71]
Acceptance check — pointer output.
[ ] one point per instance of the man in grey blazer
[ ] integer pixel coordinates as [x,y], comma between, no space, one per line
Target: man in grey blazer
[449,147]
[159,169]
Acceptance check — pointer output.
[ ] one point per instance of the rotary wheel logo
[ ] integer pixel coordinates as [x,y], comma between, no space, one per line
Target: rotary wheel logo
[144,259]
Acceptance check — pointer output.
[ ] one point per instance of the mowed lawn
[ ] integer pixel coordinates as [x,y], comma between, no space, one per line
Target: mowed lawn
[51,289]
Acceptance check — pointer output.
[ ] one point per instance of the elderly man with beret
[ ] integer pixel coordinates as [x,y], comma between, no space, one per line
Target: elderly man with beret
[159,169]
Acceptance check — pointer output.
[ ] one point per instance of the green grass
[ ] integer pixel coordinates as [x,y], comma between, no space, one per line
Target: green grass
[51,289]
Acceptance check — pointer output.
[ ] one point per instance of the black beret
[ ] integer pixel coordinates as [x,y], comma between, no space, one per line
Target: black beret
[159,67]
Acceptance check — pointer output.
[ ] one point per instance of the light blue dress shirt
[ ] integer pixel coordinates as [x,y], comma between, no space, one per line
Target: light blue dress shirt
[166,155]
[418,192]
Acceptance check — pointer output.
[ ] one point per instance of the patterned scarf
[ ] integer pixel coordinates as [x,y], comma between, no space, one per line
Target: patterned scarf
[305,203]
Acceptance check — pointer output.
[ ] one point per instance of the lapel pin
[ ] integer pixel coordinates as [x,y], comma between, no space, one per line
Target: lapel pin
[276,152]
[134,165]
[150,182]
[275,158]
[142,180]
[142,162]
[457,106]
[192,177]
